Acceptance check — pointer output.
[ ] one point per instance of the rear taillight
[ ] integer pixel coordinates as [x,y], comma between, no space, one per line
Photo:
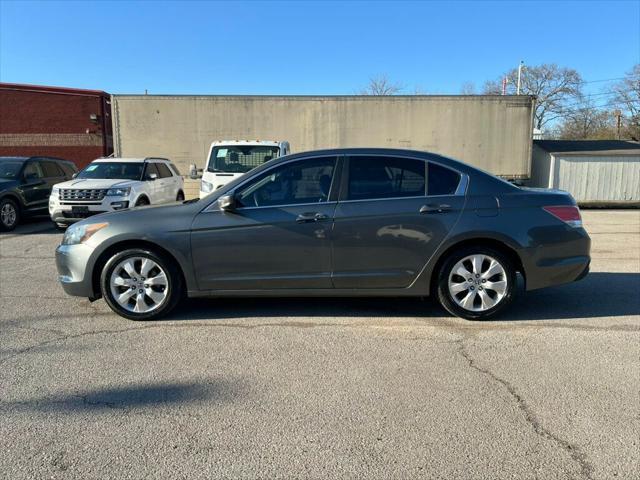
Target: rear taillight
[569,214]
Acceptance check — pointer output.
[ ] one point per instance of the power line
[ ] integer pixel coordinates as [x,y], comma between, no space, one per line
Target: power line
[603,80]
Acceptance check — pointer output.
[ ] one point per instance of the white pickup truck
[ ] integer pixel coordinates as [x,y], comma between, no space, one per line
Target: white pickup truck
[110,184]
[228,159]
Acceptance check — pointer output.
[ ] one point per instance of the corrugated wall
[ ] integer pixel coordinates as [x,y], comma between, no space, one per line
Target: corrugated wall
[492,132]
[599,180]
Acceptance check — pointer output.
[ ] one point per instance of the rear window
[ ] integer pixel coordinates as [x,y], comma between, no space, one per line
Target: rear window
[442,181]
[385,177]
[240,159]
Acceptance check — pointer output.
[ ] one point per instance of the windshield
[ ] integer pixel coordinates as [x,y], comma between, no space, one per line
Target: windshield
[113,170]
[10,168]
[240,159]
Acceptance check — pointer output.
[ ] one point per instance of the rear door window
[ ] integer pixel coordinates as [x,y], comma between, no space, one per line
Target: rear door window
[163,170]
[442,180]
[51,170]
[374,177]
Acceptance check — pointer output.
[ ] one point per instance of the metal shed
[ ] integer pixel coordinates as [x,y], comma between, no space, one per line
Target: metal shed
[595,172]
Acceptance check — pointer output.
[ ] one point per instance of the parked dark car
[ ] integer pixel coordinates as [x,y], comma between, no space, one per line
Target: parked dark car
[25,186]
[347,222]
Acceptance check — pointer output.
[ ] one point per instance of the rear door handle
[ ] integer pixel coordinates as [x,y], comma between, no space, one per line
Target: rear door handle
[435,208]
[311,217]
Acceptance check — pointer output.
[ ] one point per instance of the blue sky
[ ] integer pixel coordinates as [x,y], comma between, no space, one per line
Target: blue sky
[308,47]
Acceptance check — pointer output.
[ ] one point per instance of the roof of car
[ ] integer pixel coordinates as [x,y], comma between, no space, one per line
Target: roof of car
[22,158]
[131,159]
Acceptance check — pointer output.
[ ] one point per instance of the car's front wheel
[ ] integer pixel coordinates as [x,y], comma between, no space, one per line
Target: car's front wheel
[476,283]
[9,214]
[139,284]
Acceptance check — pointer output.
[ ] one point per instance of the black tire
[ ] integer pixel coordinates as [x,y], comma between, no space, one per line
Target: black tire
[180,196]
[9,214]
[174,284]
[446,298]
[142,201]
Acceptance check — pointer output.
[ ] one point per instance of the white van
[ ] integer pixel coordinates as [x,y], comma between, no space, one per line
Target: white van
[228,159]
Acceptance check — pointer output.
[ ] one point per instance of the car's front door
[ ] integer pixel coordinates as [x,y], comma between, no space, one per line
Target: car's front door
[151,178]
[387,225]
[35,189]
[276,237]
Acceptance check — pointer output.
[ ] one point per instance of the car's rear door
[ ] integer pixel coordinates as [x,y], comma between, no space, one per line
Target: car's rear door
[277,237]
[387,224]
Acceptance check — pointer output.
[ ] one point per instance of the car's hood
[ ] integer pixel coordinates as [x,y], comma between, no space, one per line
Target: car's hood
[96,183]
[8,184]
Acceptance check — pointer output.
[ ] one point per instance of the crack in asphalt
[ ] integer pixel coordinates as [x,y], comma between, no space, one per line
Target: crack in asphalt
[574,452]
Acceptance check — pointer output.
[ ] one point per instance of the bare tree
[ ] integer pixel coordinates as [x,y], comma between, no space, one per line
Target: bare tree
[587,123]
[627,97]
[381,85]
[554,87]
[468,88]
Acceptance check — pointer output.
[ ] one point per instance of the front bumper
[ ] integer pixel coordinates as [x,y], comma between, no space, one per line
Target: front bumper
[74,273]
[66,214]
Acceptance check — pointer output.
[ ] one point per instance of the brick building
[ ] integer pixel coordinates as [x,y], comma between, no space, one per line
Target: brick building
[68,123]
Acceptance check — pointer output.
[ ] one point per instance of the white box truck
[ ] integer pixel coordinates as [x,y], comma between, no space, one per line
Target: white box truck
[228,159]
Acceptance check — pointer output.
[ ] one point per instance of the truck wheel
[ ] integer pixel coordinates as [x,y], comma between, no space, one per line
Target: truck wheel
[139,284]
[476,283]
[9,214]
[180,197]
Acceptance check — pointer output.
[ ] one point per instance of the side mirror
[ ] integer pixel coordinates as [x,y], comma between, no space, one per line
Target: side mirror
[153,176]
[227,203]
[74,175]
[194,172]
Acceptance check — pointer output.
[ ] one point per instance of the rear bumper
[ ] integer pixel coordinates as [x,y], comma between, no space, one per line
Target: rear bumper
[557,263]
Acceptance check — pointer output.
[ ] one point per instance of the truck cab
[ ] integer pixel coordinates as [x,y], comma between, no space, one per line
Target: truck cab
[228,159]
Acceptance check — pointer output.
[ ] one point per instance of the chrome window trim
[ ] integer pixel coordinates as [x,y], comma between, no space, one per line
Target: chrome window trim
[461,189]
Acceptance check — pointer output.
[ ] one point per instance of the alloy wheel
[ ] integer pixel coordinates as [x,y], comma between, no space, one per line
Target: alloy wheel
[8,215]
[478,282]
[139,284]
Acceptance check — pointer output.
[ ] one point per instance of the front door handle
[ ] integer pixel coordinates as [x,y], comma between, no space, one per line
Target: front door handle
[435,208]
[311,217]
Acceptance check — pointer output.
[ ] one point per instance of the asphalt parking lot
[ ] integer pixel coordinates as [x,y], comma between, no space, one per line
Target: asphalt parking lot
[323,388]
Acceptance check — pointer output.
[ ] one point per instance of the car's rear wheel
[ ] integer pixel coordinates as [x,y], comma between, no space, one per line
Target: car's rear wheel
[476,283]
[9,214]
[139,284]
[180,197]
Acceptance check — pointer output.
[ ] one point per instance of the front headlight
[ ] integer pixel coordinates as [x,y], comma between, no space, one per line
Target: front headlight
[55,191]
[205,186]
[81,233]
[118,192]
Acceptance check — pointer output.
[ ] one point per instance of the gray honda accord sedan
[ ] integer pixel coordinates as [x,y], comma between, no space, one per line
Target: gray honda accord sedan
[343,222]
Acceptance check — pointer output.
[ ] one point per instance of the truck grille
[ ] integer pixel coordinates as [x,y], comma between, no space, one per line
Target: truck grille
[71,194]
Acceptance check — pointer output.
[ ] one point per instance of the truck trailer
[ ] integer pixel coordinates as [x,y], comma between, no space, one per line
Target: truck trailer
[492,132]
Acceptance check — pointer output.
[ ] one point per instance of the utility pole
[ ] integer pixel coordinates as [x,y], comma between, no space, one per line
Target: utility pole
[618,115]
[519,76]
